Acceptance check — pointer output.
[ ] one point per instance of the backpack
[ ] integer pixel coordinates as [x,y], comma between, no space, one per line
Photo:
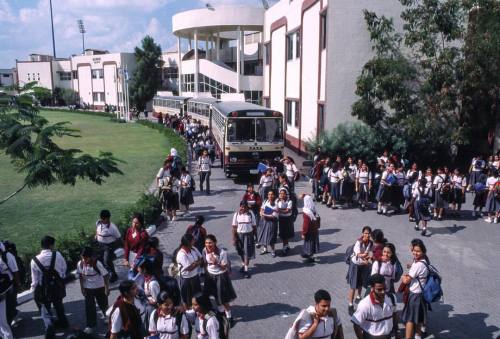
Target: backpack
[479,187]
[399,271]
[496,190]
[432,290]
[349,252]
[224,325]
[293,331]
[391,179]
[424,199]
[52,287]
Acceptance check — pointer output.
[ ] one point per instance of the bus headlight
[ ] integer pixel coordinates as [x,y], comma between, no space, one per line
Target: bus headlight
[233,159]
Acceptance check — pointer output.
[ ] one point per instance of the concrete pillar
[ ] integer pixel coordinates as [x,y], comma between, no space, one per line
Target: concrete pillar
[207,53]
[190,46]
[238,60]
[217,47]
[197,62]
[242,51]
[179,65]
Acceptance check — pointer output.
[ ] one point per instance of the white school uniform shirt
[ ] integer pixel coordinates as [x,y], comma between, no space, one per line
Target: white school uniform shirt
[290,170]
[244,222]
[363,177]
[91,279]
[212,328]
[151,289]
[369,316]
[176,185]
[438,181]
[429,181]
[166,326]
[266,181]
[352,171]
[163,173]
[267,203]
[458,181]
[10,266]
[480,163]
[220,258]
[410,172]
[359,248]
[325,327]
[204,164]
[334,176]
[496,164]
[184,259]
[186,179]
[490,183]
[106,233]
[116,319]
[418,271]
[283,204]
[387,269]
[418,192]
[45,257]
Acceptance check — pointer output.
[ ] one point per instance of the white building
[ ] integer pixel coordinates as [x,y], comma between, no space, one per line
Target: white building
[7,77]
[314,52]
[224,51]
[95,76]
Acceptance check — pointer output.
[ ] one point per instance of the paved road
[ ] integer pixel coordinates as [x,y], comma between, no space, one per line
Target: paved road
[268,302]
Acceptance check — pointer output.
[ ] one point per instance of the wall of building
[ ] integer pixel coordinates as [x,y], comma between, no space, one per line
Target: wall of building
[61,69]
[348,49]
[41,72]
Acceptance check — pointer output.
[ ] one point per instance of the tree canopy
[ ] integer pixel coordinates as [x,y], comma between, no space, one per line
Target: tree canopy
[147,76]
[28,139]
[434,85]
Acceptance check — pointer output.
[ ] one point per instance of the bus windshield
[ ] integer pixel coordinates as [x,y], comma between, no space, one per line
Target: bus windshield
[269,129]
[255,129]
[240,130]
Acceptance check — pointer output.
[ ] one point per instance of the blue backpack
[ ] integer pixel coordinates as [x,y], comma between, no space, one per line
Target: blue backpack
[432,290]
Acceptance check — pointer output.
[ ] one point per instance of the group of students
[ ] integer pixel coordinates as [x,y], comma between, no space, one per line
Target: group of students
[394,184]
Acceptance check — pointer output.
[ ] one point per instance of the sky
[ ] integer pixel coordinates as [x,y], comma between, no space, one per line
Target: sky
[114,25]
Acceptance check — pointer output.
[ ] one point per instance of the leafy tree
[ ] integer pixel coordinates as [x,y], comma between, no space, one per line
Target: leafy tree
[65,96]
[42,95]
[413,89]
[28,139]
[354,139]
[147,76]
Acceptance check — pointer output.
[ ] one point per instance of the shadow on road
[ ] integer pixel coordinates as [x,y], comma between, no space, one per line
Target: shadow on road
[259,312]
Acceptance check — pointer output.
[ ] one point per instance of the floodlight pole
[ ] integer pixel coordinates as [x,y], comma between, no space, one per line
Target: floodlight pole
[81,27]
[52,23]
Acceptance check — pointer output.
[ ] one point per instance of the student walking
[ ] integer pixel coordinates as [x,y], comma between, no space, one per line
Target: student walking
[244,228]
[125,319]
[375,316]
[107,235]
[285,222]
[359,267]
[189,260]
[199,233]
[136,239]
[49,267]
[217,281]
[363,186]
[94,284]
[206,320]
[269,224]
[319,320]
[186,190]
[310,230]
[204,169]
[422,195]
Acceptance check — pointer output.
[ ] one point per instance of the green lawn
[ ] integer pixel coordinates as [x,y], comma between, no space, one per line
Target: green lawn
[60,209]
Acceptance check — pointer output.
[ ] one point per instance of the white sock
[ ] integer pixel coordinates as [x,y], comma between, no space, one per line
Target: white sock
[417,336]
[228,314]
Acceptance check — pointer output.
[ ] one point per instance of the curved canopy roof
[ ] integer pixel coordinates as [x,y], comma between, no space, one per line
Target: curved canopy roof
[209,21]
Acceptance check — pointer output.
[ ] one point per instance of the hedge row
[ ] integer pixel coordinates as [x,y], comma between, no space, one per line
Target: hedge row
[94,113]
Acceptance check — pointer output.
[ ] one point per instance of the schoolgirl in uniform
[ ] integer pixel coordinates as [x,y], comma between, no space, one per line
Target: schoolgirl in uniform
[171,197]
[151,286]
[359,267]
[492,201]
[379,241]
[285,222]
[166,322]
[334,176]
[254,201]
[378,170]
[459,185]
[244,229]
[186,198]
[266,182]
[189,260]
[291,171]
[386,266]
[310,227]
[414,313]
[363,186]
[438,186]
[217,281]
[398,198]
[269,224]
[477,166]
[496,162]
[422,197]
[347,187]
[206,322]
[481,193]
[325,181]
[384,194]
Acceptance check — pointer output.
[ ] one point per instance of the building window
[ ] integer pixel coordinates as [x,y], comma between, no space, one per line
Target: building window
[267,53]
[322,33]
[37,76]
[292,114]
[75,74]
[98,96]
[265,102]
[64,76]
[97,73]
[293,45]
[321,119]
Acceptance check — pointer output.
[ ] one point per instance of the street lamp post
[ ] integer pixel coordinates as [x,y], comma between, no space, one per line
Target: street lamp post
[81,27]
[52,24]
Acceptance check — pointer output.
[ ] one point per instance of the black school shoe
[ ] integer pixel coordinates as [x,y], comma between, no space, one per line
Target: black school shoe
[350,310]
[247,275]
